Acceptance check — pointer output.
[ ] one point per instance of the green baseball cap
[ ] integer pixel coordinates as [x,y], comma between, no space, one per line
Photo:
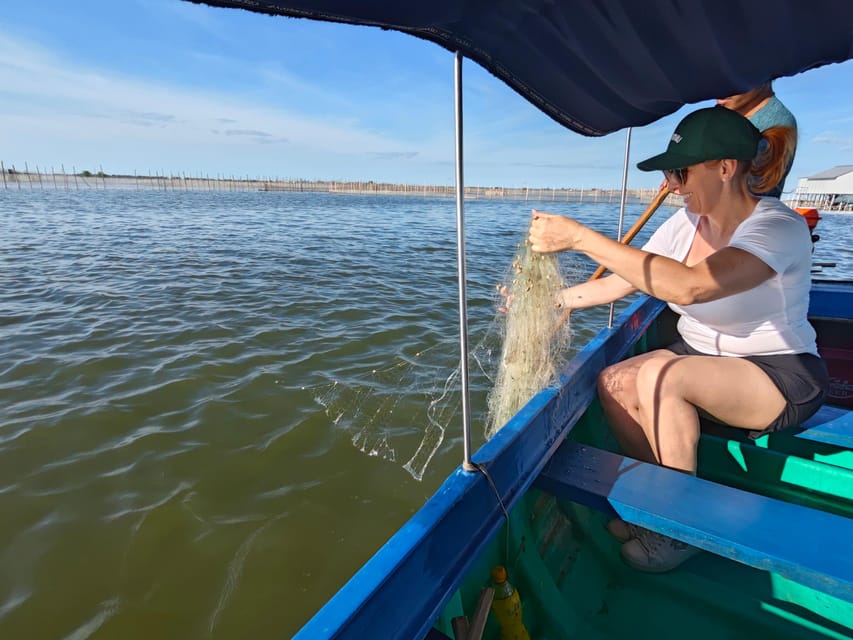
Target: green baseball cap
[715,133]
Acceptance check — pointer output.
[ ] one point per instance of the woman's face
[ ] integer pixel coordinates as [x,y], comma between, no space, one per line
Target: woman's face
[699,185]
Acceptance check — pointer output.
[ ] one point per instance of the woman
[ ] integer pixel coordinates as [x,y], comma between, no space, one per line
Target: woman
[736,268]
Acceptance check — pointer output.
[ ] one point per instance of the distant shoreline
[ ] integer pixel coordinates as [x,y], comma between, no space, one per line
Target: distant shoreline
[71,181]
[13,179]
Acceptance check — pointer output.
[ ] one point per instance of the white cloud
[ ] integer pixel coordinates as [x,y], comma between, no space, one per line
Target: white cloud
[46,96]
[843,141]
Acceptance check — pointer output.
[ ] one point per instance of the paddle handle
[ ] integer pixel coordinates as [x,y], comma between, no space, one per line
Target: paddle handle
[635,228]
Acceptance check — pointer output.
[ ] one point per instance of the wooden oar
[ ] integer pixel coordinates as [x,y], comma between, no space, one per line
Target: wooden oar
[633,231]
[635,228]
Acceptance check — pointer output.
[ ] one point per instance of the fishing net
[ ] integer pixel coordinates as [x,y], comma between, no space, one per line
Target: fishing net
[536,338]
[405,408]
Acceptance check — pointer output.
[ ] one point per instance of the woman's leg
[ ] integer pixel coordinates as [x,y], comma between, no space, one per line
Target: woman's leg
[669,390]
[733,390]
[651,403]
[617,392]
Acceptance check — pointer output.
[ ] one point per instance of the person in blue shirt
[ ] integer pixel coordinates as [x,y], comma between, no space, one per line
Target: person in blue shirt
[775,121]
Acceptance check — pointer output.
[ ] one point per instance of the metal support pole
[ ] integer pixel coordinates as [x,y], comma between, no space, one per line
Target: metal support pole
[622,207]
[460,261]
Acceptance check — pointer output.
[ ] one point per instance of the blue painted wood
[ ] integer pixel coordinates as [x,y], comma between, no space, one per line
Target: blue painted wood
[826,414]
[830,425]
[402,589]
[831,299]
[806,545]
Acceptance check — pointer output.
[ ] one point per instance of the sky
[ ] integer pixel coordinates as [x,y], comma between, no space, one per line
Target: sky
[175,88]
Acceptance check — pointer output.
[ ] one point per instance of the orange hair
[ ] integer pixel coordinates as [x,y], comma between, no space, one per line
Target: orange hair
[775,155]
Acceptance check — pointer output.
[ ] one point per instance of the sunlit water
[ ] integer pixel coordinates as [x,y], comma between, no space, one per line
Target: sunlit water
[170,466]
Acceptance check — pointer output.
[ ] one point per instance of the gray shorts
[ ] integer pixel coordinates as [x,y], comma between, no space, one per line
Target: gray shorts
[802,379]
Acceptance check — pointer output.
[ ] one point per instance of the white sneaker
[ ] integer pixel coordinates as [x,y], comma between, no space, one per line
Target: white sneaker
[623,531]
[656,553]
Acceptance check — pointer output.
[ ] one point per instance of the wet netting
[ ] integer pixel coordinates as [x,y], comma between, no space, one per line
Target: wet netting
[402,412]
[537,335]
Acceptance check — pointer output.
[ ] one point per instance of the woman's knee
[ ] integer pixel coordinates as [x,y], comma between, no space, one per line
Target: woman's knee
[657,376]
[619,381]
[613,381]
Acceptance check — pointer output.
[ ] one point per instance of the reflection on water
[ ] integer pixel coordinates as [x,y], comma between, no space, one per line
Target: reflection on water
[168,467]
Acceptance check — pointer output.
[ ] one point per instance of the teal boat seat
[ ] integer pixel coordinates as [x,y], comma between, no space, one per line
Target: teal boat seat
[805,545]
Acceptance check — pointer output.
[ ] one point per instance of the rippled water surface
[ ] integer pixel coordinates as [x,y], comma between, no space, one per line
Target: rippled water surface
[185,448]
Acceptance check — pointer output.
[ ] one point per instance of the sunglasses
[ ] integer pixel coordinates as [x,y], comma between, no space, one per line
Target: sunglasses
[679,175]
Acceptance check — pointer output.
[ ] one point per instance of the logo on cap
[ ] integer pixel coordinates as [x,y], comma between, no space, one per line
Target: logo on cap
[676,138]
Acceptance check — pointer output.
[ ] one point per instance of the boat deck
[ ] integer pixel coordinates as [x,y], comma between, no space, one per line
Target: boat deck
[791,528]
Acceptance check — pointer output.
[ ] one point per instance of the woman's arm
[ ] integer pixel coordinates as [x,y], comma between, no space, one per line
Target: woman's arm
[724,273]
[595,292]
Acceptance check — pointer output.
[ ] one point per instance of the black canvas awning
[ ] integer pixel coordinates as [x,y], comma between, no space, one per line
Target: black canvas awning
[597,66]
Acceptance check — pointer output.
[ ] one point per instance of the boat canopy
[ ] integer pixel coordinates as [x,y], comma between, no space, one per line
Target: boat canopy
[597,66]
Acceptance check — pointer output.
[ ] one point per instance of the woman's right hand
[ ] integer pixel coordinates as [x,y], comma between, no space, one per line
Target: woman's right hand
[550,233]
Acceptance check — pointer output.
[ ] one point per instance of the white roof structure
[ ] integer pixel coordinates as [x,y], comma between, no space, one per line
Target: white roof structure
[831,189]
[831,174]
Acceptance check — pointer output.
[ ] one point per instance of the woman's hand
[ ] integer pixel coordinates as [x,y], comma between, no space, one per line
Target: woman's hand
[507,298]
[550,233]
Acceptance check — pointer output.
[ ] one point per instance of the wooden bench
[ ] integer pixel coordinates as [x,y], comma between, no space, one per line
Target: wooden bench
[830,425]
[809,546]
[812,468]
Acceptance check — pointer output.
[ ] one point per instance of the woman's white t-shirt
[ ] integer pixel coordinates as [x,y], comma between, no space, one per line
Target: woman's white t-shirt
[766,320]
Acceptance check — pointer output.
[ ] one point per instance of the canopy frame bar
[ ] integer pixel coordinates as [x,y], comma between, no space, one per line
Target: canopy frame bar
[461,270]
[622,200]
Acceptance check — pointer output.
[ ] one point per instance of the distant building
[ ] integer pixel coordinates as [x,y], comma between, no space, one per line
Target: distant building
[830,190]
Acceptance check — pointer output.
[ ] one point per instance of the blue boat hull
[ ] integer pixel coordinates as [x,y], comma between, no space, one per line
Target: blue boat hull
[462,528]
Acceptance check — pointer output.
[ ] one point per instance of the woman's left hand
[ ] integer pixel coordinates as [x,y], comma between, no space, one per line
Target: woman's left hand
[550,232]
[507,298]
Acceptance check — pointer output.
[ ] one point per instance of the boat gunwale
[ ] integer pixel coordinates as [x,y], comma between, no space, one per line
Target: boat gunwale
[440,542]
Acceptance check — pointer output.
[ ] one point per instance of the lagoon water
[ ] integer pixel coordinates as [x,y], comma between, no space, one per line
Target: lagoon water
[208,399]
